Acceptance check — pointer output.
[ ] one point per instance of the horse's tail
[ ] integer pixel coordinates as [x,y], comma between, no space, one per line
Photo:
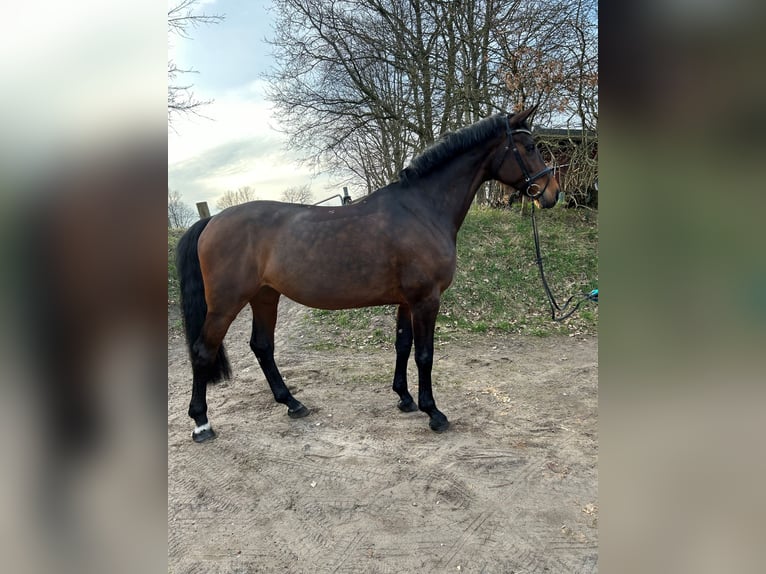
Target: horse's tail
[193,305]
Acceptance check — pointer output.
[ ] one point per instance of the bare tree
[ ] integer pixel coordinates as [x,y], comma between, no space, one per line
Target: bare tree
[181,19]
[241,195]
[553,62]
[585,81]
[564,68]
[363,86]
[298,194]
[180,215]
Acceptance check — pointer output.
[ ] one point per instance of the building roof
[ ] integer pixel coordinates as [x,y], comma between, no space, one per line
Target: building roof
[563,133]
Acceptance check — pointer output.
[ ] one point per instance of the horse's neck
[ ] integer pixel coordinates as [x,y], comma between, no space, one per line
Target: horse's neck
[456,185]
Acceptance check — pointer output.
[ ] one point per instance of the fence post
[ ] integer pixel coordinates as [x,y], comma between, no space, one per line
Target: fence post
[203,210]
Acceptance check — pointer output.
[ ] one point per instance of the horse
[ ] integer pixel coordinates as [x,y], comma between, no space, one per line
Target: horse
[399,248]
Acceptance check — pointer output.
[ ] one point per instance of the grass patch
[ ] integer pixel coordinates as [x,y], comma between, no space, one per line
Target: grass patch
[351,328]
[175,322]
[497,286]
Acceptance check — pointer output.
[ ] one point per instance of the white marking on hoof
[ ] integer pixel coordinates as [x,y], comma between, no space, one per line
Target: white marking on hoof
[202,428]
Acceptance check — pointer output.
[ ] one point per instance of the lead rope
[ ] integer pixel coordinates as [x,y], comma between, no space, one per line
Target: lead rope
[592,296]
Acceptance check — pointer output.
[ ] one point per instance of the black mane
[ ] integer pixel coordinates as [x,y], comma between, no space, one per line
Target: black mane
[452,144]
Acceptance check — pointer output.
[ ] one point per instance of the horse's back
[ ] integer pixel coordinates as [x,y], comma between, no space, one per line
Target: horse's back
[364,254]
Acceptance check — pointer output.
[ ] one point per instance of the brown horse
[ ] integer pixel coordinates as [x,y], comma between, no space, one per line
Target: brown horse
[397,246]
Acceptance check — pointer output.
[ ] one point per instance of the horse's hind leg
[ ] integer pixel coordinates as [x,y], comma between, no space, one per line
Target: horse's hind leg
[403,348]
[206,368]
[264,307]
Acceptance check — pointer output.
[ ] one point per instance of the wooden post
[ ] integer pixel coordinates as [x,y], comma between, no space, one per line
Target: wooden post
[203,210]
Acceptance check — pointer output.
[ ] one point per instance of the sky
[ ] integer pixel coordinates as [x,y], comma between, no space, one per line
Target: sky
[237,142]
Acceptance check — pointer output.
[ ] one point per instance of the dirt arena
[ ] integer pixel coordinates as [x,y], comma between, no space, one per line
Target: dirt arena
[359,486]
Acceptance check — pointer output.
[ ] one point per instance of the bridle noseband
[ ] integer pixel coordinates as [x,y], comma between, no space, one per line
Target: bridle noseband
[529,180]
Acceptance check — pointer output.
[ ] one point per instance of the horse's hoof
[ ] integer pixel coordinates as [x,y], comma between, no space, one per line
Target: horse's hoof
[203,435]
[439,425]
[407,407]
[298,413]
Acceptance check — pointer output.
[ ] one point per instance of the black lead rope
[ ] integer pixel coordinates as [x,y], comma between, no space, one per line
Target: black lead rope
[592,296]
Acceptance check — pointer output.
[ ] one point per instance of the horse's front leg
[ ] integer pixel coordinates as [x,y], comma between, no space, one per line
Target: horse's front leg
[403,348]
[423,323]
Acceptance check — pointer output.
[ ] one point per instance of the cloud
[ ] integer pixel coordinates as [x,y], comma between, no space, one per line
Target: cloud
[258,162]
[237,144]
[232,146]
[210,173]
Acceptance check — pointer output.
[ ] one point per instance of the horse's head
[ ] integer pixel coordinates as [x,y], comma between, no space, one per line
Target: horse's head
[521,165]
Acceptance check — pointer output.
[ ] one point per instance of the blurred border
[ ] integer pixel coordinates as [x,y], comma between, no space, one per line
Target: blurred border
[683,293]
[83,171]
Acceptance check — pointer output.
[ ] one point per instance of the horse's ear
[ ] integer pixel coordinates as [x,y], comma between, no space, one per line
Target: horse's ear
[522,117]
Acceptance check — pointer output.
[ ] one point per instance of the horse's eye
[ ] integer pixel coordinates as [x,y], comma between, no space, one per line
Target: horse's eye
[530,148]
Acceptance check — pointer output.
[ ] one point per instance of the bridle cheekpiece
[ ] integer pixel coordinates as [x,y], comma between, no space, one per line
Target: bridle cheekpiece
[528,186]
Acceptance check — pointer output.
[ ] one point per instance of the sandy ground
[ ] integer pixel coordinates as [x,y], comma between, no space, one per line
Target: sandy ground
[359,486]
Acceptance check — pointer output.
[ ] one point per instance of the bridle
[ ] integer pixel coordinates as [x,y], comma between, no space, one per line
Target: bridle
[529,184]
[528,188]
